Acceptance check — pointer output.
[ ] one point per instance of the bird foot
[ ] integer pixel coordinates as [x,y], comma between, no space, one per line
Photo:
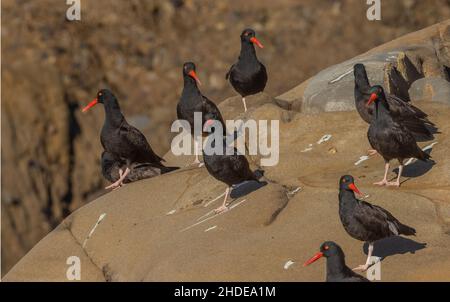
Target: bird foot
[115,185]
[393,184]
[372,152]
[221,209]
[362,268]
[381,183]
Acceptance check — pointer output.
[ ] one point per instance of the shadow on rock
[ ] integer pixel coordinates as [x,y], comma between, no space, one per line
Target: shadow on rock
[417,168]
[245,188]
[393,246]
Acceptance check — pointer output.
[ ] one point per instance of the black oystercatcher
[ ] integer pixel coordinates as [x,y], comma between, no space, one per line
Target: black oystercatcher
[248,76]
[113,168]
[364,221]
[192,101]
[337,270]
[122,140]
[389,137]
[411,117]
[229,167]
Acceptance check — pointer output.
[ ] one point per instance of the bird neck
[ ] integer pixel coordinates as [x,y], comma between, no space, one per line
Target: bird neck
[381,111]
[113,114]
[336,265]
[190,86]
[347,199]
[248,52]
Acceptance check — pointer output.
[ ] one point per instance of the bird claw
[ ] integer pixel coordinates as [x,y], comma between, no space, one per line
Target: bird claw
[381,183]
[362,268]
[221,209]
[372,152]
[114,186]
[393,184]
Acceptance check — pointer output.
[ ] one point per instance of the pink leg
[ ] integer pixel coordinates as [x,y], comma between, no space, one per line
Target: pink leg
[224,206]
[119,182]
[397,182]
[384,181]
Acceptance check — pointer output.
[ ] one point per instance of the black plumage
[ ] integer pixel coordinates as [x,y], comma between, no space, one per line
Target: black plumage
[225,164]
[119,138]
[337,270]
[364,221]
[404,113]
[112,168]
[248,75]
[389,137]
[192,100]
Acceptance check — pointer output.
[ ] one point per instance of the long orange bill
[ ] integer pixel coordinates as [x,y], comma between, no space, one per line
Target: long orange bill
[195,77]
[354,189]
[373,97]
[91,104]
[255,41]
[314,258]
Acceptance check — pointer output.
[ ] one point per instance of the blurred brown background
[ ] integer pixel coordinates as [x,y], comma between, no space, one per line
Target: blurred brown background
[51,67]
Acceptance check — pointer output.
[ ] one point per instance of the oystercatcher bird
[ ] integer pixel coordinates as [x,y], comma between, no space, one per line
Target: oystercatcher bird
[390,137]
[364,221]
[337,270]
[122,140]
[192,100]
[411,117]
[226,165]
[113,168]
[248,76]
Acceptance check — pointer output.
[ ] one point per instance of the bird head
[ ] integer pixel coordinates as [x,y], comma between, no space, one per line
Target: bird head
[103,96]
[327,249]
[189,70]
[347,183]
[376,94]
[249,35]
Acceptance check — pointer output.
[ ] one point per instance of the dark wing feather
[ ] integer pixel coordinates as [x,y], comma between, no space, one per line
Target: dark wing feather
[137,141]
[376,220]
[240,166]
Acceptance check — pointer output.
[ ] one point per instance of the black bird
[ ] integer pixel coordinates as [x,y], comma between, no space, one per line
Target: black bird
[389,137]
[411,117]
[248,76]
[192,100]
[119,138]
[225,164]
[113,168]
[364,221]
[337,270]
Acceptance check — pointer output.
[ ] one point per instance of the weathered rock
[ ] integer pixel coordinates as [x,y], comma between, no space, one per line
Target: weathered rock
[161,229]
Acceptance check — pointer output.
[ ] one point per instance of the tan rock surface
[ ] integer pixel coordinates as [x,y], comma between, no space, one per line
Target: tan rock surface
[139,240]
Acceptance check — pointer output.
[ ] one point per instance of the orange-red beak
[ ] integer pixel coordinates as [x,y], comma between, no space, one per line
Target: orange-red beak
[208,123]
[354,189]
[255,41]
[91,104]
[314,258]
[194,76]
[373,97]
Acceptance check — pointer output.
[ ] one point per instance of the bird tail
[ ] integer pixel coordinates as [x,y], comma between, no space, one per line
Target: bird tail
[406,230]
[423,156]
[168,169]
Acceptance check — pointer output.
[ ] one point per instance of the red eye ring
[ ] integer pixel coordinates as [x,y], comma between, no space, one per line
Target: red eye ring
[326,247]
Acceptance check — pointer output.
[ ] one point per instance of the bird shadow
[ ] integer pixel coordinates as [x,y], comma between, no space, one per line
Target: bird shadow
[393,246]
[245,188]
[417,168]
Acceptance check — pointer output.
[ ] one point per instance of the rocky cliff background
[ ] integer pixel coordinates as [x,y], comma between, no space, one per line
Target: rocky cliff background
[51,67]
